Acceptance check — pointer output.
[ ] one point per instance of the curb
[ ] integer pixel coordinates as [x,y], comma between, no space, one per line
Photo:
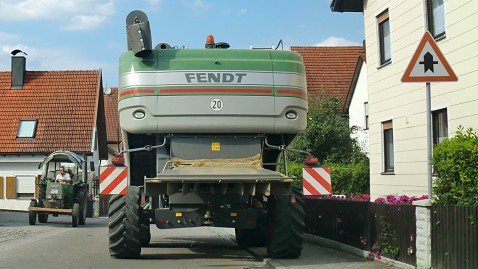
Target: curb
[313,239]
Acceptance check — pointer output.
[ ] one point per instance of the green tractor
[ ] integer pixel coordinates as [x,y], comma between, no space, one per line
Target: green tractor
[61,197]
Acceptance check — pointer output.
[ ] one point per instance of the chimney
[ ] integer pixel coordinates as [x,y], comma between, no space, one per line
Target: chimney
[18,72]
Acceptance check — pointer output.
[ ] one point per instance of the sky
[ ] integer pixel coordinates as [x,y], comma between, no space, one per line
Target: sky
[91,34]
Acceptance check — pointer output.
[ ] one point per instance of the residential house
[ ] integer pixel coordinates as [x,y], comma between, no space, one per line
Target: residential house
[339,72]
[397,111]
[113,131]
[45,111]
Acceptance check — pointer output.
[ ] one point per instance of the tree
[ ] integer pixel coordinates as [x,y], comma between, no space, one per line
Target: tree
[327,136]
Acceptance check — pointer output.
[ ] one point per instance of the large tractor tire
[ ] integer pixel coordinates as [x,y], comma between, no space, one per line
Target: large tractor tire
[32,215]
[285,225]
[42,218]
[124,224]
[75,215]
[84,204]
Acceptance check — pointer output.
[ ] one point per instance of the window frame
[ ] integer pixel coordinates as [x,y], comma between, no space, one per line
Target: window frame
[366,123]
[439,122]
[431,19]
[33,132]
[388,148]
[382,20]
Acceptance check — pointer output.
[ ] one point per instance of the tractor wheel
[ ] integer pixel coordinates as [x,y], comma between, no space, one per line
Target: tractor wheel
[255,237]
[32,215]
[145,231]
[82,219]
[124,224]
[42,218]
[285,225]
[75,214]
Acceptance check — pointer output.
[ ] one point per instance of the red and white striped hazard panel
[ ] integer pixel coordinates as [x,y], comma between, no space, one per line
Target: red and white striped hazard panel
[316,180]
[113,179]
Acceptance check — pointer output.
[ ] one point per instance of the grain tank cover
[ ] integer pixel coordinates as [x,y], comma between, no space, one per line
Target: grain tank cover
[213,91]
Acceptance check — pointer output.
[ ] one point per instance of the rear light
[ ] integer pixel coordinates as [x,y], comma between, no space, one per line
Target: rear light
[162,222]
[118,159]
[311,160]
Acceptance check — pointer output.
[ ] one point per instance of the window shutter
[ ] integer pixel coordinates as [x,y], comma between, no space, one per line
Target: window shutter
[1,187]
[11,188]
[37,188]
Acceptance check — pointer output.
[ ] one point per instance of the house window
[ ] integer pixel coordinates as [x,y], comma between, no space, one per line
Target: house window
[384,37]
[388,146]
[27,129]
[436,18]
[365,105]
[440,125]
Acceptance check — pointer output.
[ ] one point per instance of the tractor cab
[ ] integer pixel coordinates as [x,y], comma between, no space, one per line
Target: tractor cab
[63,188]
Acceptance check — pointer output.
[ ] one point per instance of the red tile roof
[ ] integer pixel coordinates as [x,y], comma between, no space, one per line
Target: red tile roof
[66,104]
[330,70]
[112,116]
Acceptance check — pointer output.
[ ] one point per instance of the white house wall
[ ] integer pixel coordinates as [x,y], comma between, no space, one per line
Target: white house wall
[22,165]
[357,109]
[18,165]
[405,103]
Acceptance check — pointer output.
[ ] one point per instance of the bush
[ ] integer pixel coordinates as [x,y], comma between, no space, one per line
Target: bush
[456,167]
[351,177]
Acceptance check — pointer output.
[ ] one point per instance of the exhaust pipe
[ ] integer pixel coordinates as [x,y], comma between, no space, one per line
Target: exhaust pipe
[139,34]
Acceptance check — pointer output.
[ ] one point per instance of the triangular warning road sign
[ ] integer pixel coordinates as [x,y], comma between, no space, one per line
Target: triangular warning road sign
[428,63]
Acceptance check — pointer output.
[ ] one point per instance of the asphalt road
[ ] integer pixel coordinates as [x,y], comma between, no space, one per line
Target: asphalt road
[58,245]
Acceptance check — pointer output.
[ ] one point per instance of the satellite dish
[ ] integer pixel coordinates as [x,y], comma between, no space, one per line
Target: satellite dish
[107,90]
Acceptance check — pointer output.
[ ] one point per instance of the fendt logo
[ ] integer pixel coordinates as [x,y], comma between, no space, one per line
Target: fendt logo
[214,77]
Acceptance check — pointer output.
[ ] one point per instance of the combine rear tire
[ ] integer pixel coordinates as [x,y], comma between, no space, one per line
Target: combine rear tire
[145,231]
[75,214]
[32,215]
[124,224]
[286,225]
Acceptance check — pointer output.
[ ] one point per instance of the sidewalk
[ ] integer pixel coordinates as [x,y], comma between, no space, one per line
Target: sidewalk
[323,253]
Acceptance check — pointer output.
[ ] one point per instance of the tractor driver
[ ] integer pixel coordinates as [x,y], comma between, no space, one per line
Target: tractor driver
[63,177]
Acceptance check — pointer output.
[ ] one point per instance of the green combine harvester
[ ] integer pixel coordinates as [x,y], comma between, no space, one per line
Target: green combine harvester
[204,134]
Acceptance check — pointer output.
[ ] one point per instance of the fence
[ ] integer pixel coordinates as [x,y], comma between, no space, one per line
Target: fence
[454,232]
[388,230]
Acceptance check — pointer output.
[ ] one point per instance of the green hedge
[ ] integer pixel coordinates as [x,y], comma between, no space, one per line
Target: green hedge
[456,167]
[346,178]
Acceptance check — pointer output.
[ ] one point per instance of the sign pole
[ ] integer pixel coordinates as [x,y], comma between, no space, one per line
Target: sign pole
[429,140]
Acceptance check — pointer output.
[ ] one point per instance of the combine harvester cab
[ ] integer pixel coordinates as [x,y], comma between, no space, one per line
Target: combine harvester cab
[203,135]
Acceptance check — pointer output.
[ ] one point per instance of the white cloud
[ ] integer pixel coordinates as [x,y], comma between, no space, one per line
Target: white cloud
[334,41]
[72,14]
[7,38]
[155,2]
[198,6]
[242,11]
